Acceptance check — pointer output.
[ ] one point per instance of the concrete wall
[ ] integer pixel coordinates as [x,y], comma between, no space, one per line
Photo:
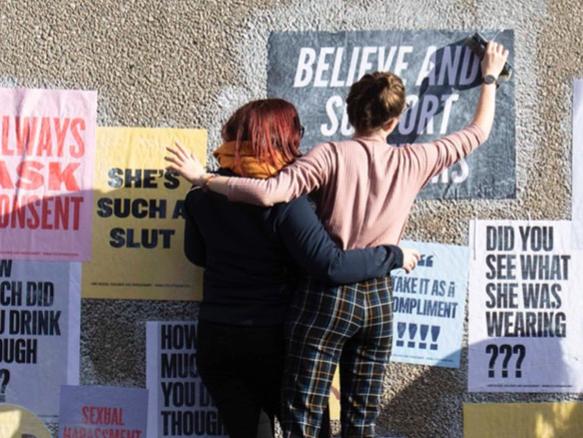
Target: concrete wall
[185,63]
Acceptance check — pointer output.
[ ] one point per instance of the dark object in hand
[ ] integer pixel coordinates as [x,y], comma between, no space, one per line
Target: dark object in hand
[477,44]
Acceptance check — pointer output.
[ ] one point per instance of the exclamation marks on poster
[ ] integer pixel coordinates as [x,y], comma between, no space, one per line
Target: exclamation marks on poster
[424,329]
[435,329]
[417,330]
[401,327]
[412,332]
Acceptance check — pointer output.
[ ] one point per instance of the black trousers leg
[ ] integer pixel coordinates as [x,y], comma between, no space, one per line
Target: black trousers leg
[241,368]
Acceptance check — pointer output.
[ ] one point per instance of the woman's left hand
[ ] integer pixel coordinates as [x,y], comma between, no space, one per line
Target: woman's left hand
[186,164]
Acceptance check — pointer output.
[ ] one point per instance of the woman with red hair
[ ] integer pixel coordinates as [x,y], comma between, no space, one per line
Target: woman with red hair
[366,189]
[253,259]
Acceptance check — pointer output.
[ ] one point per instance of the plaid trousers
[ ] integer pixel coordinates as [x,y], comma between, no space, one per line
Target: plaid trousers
[350,325]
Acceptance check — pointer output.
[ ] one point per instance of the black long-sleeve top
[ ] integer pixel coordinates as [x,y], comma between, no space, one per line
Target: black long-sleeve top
[255,256]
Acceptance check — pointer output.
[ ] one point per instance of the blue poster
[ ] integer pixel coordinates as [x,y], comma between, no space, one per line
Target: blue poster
[103,411]
[428,306]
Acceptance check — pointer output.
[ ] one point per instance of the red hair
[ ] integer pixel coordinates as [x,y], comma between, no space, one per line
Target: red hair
[270,126]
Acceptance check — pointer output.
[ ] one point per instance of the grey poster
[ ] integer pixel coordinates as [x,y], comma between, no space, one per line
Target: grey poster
[39,333]
[314,71]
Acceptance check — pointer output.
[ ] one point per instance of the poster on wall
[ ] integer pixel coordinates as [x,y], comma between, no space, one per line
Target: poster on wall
[496,420]
[39,332]
[314,71]
[15,421]
[429,306]
[47,149]
[525,308]
[334,400]
[138,217]
[577,164]
[180,405]
[103,411]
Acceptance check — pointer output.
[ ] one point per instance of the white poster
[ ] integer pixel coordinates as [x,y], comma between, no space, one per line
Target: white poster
[429,306]
[179,404]
[526,302]
[39,333]
[577,165]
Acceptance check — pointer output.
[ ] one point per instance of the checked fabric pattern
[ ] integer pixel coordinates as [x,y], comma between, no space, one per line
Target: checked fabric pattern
[349,325]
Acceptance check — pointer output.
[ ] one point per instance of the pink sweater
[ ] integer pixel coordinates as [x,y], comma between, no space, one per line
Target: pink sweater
[367,190]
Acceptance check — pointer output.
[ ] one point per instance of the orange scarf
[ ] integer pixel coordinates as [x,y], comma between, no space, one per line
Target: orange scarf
[249,165]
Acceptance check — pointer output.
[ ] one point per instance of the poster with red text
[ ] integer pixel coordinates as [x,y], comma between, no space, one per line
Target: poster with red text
[47,149]
[103,411]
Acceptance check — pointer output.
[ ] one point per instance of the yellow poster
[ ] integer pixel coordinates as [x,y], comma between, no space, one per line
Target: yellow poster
[334,400]
[138,222]
[18,422]
[523,420]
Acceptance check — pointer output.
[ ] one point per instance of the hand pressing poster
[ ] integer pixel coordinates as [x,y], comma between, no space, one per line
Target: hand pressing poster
[47,149]
[314,71]
[525,325]
[138,234]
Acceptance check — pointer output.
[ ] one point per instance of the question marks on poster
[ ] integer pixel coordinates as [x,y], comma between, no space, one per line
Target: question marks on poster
[507,352]
[4,380]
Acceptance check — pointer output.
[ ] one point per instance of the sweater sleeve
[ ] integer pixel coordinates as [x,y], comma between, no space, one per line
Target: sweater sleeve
[312,248]
[427,160]
[194,246]
[303,176]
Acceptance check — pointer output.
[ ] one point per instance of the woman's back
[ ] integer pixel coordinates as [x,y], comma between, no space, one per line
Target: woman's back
[248,274]
[366,187]
[255,256]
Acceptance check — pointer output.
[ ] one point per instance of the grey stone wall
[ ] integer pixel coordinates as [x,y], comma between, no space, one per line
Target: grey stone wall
[181,63]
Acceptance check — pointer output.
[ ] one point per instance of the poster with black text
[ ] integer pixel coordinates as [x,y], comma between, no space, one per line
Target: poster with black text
[39,332]
[525,325]
[429,306]
[179,405]
[314,71]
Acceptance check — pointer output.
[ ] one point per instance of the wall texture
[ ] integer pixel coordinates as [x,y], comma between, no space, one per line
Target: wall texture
[181,63]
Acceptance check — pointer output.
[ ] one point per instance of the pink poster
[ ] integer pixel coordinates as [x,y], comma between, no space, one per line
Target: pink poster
[47,151]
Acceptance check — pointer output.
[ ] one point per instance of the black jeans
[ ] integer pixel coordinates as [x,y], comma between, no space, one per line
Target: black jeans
[242,369]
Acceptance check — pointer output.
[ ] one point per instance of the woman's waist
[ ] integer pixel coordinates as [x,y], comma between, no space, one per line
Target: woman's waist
[355,232]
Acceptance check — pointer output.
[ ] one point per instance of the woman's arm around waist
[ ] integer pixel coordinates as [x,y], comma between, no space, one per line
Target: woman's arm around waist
[312,248]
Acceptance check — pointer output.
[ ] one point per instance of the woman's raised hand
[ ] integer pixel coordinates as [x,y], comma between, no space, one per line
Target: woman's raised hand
[494,59]
[186,164]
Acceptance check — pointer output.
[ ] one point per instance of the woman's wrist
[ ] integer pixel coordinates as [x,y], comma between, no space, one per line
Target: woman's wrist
[202,180]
